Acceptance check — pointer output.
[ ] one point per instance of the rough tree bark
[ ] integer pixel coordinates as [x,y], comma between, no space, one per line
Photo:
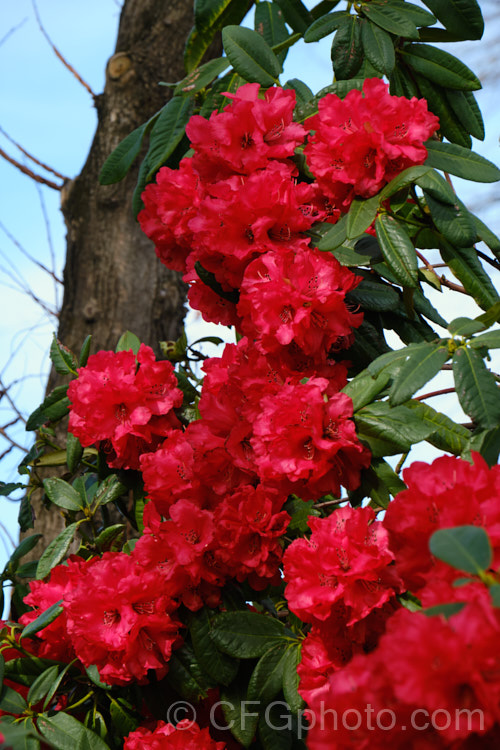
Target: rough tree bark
[112,280]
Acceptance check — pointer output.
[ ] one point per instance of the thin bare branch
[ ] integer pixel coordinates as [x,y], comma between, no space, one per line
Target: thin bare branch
[12,31]
[33,158]
[441,392]
[27,254]
[13,443]
[29,172]
[59,55]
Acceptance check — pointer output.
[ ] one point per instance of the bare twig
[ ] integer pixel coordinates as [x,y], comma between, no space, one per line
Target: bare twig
[12,441]
[33,158]
[492,262]
[12,31]
[59,55]
[27,254]
[434,393]
[29,172]
[444,281]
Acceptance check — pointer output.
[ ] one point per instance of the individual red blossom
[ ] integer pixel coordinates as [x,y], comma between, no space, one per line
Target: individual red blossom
[127,626]
[124,404]
[186,735]
[298,297]
[249,132]
[449,492]
[307,442]
[169,204]
[345,560]
[363,141]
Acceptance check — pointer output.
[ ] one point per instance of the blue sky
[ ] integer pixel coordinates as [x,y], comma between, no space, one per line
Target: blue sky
[46,110]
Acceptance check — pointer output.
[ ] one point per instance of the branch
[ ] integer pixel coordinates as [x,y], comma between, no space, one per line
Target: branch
[27,254]
[29,173]
[31,157]
[59,55]
[434,393]
[12,30]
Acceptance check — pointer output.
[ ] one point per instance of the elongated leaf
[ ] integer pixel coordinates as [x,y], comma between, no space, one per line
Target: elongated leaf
[492,315]
[487,443]
[361,214]
[67,733]
[267,678]
[121,159]
[270,24]
[42,685]
[454,222]
[54,407]
[128,341]
[347,49]
[436,186]
[392,361]
[364,387]
[447,435]
[240,715]
[402,84]
[476,388]
[214,17]
[291,679]
[404,179]
[22,549]
[334,236]
[168,132]
[200,77]
[467,111]
[465,265]
[419,16]
[461,162]
[325,25]
[450,126]
[378,47]
[250,55]
[11,701]
[217,665]
[488,237]
[185,675]
[207,12]
[56,550]
[464,326]
[390,430]
[390,19]
[375,296]
[462,18]
[491,340]
[274,727]
[109,490]
[63,359]
[424,307]
[466,548]
[296,15]
[397,249]
[62,494]
[245,634]
[41,622]
[441,67]
[417,371]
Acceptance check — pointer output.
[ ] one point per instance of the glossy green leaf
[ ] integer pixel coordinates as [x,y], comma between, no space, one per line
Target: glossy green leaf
[390,430]
[207,12]
[454,222]
[123,715]
[446,434]
[391,19]
[250,55]
[441,67]
[335,236]
[444,610]
[62,494]
[392,361]
[373,295]
[495,595]
[449,125]
[11,701]
[185,675]
[296,14]
[63,359]
[464,326]
[121,159]
[217,665]
[291,678]
[245,634]
[491,340]
[303,92]
[201,77]
[402,84]
[466,548]
[490,239]
[42,685]
[168,132]
[361,215]
[404,179]
[419,16]
[109,490]
[424,307]
[67,733]
[418,369]
[378,47]
[467,111]
[347,49]
[56,550]
[465,265]
[41,622]
[84,351]
[462,18]
[241,717]
[267,677]
[461,162]
[213,16]
[54,407]
[270,24]
[74,452]
[476,388]
[364,387]
[491,316]
[487,443]
[274,728]
[436,186]
[22,549]
[325,25]
[398,250]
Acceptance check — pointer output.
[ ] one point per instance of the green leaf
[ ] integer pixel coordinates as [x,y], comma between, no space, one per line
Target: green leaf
[392,361]
[467,111]
[240,717]
[245,634]
[168,132]
[390,430]
[347,49]
[74,452]
[373,295]
[42,685]
[217,665]
[424,307]
[299,511]
[417,371]
[449,157]
[398,250]
[11,701]
[419,16]
[466,548]
[440,67]
[454,222]
[56,550]
[303,92]
[54,407]
[449,125]
[207,12]
[110,538]
[464,327]
[267,677]
[291,678]
[462,18]
[215,15]
[445,610]
[296,15]
[361,215]
[250,55]
[63,359]
[378,47]
[464,264]
[84,351]
[128,341]
[491,339]
[402,84]
[22,549]
[109,490]
[436,186]
[492,315]
[62,494]
[41,622]
[389,18]
[137,204]
[495,595]
[364,387]
[335,236]
[388,476]
[403,180]
[270,24]
[185,675]
[7,488]
[476,388]
[487,443]
[325,25]
[447,435]
[275,728]
[67,733]
[123,156]
[201,77]
[488,237]
[123,716]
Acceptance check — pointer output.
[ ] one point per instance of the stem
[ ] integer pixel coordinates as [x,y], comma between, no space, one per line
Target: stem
[441,392]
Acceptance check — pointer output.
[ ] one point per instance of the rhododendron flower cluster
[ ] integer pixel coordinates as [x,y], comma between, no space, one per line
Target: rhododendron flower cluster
[186,735]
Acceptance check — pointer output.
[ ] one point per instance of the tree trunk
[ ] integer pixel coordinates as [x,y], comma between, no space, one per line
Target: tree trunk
[112,279]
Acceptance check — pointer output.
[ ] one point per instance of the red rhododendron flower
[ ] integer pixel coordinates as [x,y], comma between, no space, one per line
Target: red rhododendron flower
[449,492]
[298,296]
[124,404]
[346,560]
[186,735]
[127,626]
[363,141]
[247,133]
